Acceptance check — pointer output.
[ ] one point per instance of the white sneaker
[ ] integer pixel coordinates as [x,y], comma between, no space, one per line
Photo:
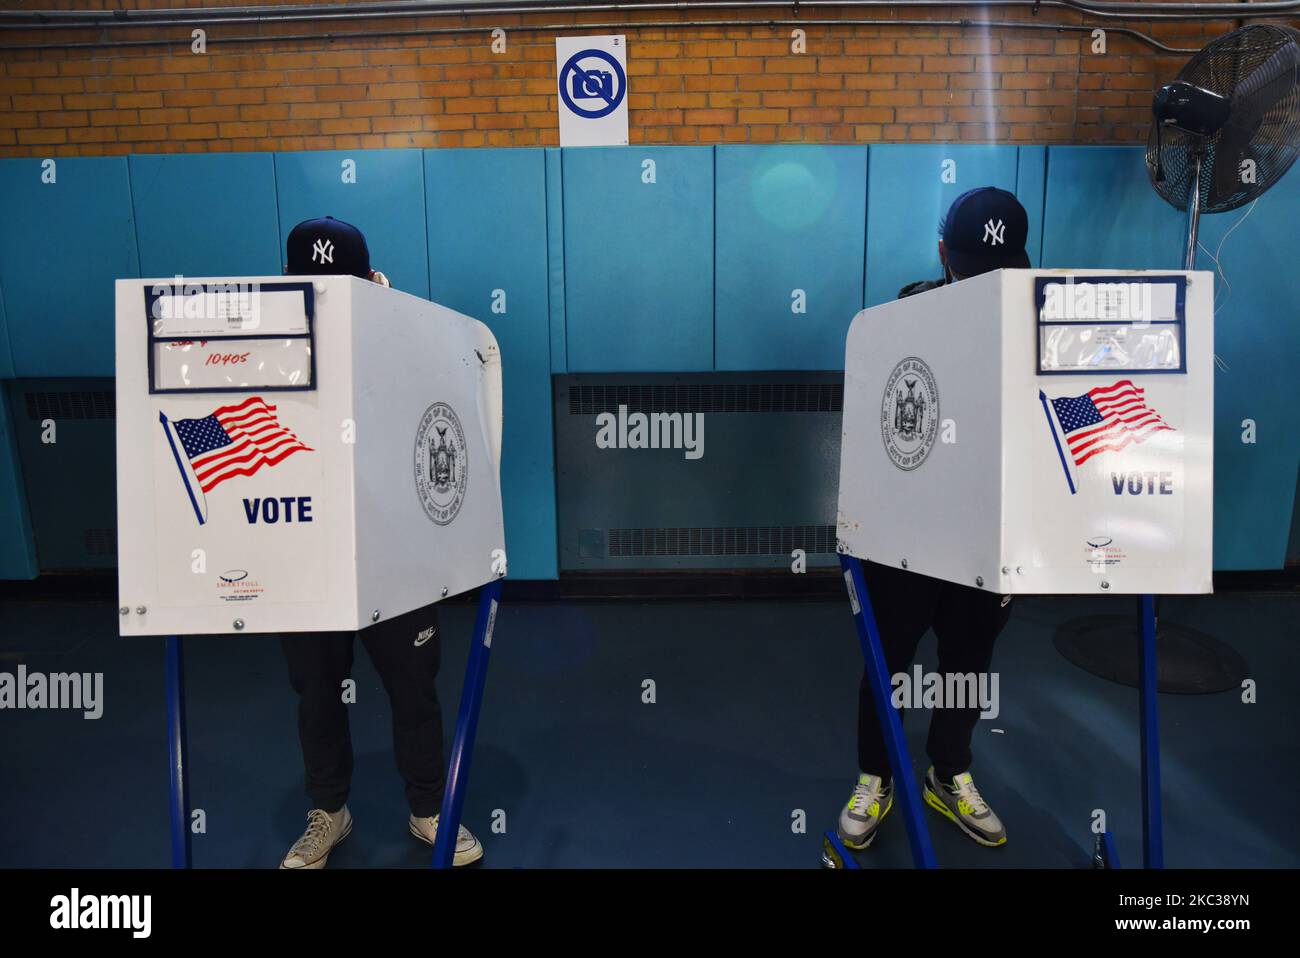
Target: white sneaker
[960,802]
[867,806]
[324,831]
[468,848]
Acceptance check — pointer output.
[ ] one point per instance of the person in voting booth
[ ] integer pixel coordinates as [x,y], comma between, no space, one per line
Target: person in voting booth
[406,652]
[984,230]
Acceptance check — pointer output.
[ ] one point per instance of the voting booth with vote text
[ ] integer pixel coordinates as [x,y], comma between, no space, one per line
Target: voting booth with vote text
[1027,432]
[301,454]
[1035,431]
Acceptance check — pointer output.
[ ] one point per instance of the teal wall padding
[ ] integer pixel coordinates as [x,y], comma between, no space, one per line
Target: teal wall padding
[606,273]
[1103,213]
[1257,337]
[487,219]
[908,191]
[206,214]
[6,355]
[62,244]
[638,259]
[555,257]
[1031,190]
[386,203]
[791,229]
[17,544]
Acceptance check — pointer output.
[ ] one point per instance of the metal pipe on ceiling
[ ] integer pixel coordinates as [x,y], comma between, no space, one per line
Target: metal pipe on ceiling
[74,19]
[561,27]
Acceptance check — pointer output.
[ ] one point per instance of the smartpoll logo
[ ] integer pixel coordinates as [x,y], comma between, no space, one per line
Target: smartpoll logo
[76,911]
[658,430]
[56,690]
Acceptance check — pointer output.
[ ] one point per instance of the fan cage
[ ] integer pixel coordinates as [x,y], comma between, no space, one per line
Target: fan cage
[1221,67]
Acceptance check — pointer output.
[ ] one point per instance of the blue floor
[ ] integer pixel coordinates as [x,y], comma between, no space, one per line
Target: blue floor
[753,723]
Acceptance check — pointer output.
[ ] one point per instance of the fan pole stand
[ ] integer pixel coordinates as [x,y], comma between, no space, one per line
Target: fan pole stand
[1194,206]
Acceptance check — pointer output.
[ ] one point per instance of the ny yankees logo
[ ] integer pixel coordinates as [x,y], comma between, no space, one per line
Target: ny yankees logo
[996,233]
[324,249]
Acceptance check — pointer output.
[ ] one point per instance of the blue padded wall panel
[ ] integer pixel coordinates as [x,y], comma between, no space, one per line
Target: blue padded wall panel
[17,544]
[206,214]
[906,197]
[638,259]
[788,218]
[1103,213]
[555,256]
[62,246]
[1257,337]
[6,355]
[386,203]
[1031,190]
[487,232]
[1254,485]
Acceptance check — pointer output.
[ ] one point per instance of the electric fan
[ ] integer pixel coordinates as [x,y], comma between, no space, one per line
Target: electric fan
[1223,132]
[1228,127]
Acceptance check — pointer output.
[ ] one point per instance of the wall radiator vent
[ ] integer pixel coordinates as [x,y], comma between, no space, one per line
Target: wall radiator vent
[589,399]
[722,541]
[70,404]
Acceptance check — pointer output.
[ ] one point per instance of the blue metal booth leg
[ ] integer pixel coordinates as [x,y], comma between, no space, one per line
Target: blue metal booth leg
[180,795]
[918,836]
[462,746]
[1153,840]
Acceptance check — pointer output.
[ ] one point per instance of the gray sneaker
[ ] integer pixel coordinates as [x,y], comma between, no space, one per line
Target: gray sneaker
[867,806]
[960,802]
[324,831]
[468,848]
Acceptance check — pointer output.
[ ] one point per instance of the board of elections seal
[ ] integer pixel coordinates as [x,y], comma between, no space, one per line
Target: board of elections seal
[441,464]
[909,413]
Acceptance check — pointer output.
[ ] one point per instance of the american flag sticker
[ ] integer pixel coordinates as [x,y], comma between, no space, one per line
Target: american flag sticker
[1104,419]
[237,440]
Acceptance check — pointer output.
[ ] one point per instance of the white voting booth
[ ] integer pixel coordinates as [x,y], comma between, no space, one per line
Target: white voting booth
[304,454]
[300,454]
[1035,431]
[1031,432]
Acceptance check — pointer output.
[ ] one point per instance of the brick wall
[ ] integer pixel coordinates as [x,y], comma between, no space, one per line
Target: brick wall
[359,88]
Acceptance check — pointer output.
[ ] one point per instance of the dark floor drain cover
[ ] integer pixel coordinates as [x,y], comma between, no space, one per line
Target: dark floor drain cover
[1188,661]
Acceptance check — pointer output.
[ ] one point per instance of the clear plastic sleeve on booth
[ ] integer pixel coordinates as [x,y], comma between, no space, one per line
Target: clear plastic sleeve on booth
[1121,323]
[215,337]
[1119,346]
[220,364]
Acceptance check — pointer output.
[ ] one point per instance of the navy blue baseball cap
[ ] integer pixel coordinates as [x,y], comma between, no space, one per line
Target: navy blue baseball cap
[985,229]
[327,247]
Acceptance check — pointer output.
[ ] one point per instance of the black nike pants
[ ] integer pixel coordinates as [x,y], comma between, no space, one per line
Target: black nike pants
[967,622]
[406,653]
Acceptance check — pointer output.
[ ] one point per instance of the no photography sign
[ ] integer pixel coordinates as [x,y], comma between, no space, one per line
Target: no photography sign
[591,73]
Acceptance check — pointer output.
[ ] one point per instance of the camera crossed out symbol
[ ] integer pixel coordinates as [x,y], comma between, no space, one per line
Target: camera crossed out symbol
[609,86]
